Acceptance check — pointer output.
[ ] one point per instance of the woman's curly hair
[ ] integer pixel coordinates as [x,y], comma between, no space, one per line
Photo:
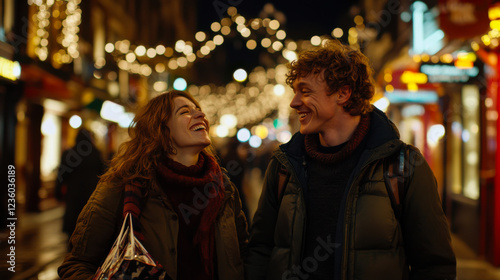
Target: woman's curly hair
[138,158]
[341,66]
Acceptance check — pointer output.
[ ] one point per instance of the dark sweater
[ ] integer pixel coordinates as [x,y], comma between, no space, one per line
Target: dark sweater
[329,169]
[326,186]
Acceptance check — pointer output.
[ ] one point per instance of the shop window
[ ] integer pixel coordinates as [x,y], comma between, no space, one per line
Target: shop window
[464,143]
[471,139]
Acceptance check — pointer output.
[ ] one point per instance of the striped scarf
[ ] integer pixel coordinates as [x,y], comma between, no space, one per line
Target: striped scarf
[133,204]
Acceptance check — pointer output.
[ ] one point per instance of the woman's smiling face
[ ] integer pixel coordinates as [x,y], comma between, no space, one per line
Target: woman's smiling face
[188,127]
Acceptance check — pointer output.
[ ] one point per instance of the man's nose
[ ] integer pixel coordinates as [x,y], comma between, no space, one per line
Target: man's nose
[296,102]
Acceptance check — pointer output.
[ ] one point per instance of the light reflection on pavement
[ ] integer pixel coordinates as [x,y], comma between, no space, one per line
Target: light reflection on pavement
[40,246]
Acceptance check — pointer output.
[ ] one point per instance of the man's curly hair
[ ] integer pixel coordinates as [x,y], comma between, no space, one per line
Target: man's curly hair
[341,66]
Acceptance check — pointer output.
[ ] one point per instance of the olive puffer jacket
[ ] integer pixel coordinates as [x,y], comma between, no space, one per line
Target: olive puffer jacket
[101,220]
[370,242]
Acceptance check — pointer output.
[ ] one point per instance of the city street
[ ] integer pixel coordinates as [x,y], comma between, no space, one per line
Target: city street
[40,248]
[91,88]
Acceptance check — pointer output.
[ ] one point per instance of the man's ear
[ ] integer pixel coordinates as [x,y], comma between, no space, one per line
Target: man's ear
[344,95]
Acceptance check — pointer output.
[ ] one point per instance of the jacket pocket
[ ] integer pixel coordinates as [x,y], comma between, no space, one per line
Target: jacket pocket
[79,238]
[380,264]
[227,245]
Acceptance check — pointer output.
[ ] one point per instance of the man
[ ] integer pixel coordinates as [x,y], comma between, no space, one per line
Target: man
[334,218]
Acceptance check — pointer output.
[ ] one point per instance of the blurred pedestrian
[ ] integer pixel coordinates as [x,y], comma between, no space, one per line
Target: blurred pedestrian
[333,218]
[77,177]
[190,213]
[235,163]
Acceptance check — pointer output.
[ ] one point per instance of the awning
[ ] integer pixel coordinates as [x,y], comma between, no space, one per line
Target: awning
[40,83]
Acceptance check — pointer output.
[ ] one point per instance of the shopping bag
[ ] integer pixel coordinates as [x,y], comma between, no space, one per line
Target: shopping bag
[128,259]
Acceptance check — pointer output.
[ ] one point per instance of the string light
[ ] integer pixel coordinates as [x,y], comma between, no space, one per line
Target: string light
[186,49]
[261,94]
[67,40]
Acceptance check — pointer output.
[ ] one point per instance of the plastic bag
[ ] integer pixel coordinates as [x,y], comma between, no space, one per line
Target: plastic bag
[128,259]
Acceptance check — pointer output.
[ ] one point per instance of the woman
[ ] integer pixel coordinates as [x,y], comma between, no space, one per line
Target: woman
[190,214]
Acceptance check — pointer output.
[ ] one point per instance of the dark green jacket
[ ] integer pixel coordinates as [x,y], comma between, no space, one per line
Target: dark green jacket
[101,220]
[370,242]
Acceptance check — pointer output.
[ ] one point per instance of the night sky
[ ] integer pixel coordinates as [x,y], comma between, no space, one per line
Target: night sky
[304,19]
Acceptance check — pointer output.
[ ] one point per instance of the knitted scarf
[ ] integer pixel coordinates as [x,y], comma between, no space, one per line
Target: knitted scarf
[182,185]
[312,144]
[133,204]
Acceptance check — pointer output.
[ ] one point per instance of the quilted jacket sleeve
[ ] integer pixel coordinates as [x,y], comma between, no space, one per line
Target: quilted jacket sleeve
[262,230]
[426,231]
[95,233]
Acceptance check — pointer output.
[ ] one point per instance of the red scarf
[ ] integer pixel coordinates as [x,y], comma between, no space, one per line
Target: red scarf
[182,185]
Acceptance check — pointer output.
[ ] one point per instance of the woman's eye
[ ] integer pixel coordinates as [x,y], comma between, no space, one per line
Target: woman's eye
[184,112]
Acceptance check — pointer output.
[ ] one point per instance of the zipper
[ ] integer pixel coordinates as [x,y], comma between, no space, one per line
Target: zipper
[294,173]
[304,165]
[346,233]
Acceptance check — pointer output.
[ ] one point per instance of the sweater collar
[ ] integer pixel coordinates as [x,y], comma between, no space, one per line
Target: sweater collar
[312,144]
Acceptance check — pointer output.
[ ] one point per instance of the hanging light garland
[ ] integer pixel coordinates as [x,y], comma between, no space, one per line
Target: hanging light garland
[264,94]
[41,23]
[70,29]
[64,16]
[184,53]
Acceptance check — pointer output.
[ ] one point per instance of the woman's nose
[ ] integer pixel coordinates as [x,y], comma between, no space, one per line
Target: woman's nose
[199,114]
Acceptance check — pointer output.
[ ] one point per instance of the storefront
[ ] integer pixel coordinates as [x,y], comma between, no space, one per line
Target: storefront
[473,125]
[10,93]
[490,160]
[415,108]
[40,134]
[439,104]
[470,145]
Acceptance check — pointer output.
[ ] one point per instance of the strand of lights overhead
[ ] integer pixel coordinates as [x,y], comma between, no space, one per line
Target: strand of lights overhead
[71,27]
[66,17]
[41,20]
[271,96]
[186,52]
[262,95]
[263,92]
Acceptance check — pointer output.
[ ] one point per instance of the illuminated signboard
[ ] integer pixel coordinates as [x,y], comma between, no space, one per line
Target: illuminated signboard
[405,96]
[10,69]
[427,37]
[413,77]
[448,73]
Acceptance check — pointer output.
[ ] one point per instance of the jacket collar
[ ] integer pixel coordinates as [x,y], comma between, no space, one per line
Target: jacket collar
[382,130]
